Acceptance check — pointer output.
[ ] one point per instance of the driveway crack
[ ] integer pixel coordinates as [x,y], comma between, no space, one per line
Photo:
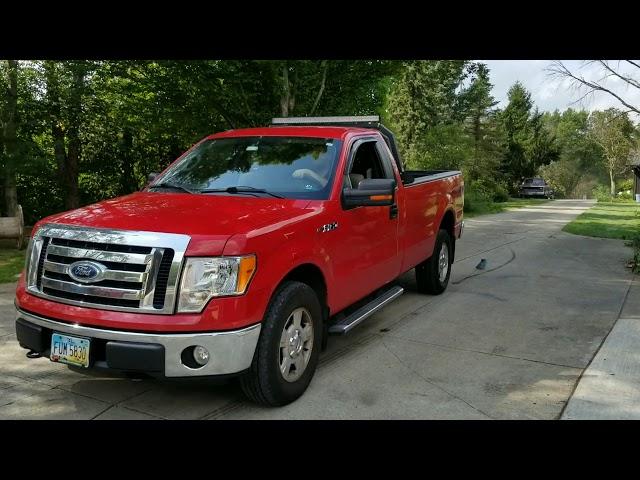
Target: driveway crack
[513,257]
[430,382]
[458,260]
[470,350]
[100,413]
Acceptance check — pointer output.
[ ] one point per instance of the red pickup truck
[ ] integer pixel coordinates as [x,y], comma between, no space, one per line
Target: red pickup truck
[241,257]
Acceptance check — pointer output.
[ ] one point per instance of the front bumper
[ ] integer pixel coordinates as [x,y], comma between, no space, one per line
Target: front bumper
[156,354]
[221,314]
[533,193]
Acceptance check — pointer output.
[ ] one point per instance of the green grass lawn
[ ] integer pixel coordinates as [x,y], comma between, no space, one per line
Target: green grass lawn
[11,261]
[608,220]
[484,208]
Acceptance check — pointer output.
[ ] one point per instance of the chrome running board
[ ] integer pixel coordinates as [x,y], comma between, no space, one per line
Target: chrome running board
[347,323]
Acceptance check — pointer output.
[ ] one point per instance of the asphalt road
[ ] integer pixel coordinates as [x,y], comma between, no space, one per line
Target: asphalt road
[507,342]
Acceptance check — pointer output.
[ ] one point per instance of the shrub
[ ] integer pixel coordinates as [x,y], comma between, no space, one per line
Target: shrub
[625,189]
[602,193]
[562,175]
[474,199]
[625,195]
[491,190]
[626,185]
[584,187]
[501,193]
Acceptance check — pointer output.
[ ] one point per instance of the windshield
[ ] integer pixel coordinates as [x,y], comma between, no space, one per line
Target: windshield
[534,181]
[291,167]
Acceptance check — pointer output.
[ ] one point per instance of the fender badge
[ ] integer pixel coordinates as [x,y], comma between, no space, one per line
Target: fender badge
[328,227]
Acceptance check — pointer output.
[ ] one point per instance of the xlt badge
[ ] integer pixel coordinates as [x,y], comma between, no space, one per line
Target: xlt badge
[328,227]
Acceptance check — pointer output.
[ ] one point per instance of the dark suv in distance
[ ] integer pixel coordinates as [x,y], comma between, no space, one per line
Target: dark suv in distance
[535,187]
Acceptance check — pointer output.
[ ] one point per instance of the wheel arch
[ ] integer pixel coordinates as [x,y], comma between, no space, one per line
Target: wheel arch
[312,275]
[448,223]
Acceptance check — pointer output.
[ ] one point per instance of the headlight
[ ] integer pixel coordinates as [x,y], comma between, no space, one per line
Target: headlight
[204,278]
[32,256]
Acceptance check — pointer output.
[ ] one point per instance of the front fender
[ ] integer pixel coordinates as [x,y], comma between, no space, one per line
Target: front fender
[280,253]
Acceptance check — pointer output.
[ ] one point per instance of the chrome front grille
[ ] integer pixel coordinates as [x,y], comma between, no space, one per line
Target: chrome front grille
[139,271]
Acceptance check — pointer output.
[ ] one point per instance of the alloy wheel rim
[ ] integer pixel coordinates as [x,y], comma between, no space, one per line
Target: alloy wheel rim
[296,344]
[443,263]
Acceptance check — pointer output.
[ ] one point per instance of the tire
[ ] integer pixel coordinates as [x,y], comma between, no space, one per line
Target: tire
[265,382]
[428,272]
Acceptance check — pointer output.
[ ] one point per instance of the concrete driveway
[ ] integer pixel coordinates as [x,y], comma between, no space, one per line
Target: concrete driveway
[507,342]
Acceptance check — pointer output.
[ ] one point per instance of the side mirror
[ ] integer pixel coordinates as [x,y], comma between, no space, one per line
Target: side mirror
[378,192]
[406,178]
[152,177]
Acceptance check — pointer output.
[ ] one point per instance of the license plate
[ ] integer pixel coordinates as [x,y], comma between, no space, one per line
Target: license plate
[71,350]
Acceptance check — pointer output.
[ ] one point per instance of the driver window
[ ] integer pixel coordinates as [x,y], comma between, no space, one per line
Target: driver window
[366,164]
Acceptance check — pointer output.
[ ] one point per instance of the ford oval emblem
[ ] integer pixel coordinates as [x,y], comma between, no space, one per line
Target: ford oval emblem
[85,271]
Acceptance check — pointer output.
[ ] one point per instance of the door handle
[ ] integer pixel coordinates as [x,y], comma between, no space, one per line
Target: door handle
[393,211]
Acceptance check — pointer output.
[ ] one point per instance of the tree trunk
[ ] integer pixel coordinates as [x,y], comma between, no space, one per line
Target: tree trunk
[613,183]
[72,198]
[286,90]
[323,65]
[11,141]
[292,94]
[476,145]
[128,183]
[72,167]
[55,117]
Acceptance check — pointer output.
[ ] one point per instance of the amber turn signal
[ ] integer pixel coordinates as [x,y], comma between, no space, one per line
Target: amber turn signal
[245,271]
[378,198]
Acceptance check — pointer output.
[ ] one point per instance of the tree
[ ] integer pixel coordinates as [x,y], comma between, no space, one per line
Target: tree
[541,146]
[562,176]
[426,95]
[515,121]
[613,132]
[481,126]
[295,81]
[9,124]
[630,78]
[579,159]
[529,144]
[329,87]
[78,71]
[66,156]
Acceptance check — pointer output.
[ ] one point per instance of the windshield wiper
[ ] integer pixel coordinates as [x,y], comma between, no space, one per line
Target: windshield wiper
[171,185]
[241,189]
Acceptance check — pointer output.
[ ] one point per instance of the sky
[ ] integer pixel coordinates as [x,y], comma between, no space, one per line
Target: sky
[550,93]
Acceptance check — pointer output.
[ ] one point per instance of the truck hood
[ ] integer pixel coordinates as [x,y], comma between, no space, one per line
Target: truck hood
[210,220]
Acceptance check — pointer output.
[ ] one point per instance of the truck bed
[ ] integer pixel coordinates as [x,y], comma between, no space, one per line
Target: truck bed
[411,177]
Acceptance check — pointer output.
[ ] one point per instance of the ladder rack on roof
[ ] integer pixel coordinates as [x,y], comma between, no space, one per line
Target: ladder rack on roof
[369,121]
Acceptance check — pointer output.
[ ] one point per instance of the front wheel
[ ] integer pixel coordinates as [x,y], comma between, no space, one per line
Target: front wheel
[287,353]
[432,275]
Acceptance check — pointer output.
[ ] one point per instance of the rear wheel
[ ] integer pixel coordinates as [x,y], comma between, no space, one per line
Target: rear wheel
[432,275]
[287,353]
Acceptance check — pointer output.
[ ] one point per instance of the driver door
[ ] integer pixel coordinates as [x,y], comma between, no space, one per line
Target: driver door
[367,257]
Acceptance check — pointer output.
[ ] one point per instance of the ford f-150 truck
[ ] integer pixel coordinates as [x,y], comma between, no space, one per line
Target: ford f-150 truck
[241,257]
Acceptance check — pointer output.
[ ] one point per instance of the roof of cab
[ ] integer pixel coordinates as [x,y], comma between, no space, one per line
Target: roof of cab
[289,131]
